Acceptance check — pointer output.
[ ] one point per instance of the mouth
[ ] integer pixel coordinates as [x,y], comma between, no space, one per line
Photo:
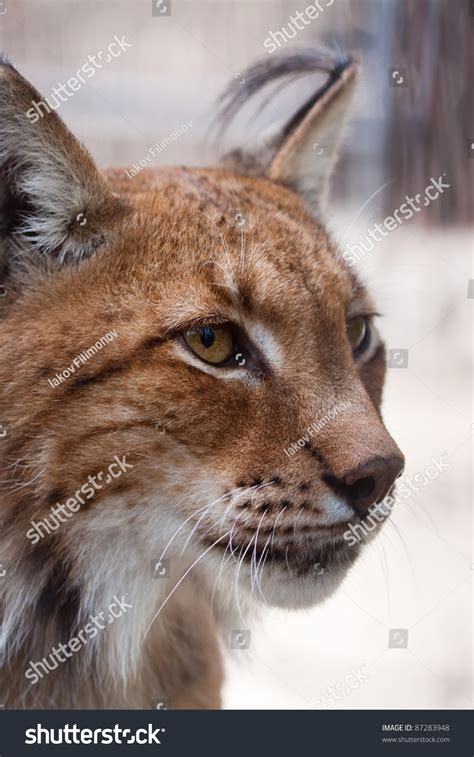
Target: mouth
[312,553]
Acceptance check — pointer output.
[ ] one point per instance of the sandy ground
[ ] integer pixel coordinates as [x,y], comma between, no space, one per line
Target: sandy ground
[417,576]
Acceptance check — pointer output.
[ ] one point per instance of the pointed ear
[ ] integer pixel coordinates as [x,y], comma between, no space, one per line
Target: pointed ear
[53,200]
[301,152]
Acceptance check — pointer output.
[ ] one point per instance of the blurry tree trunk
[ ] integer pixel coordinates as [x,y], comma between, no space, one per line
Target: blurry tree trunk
[431,124]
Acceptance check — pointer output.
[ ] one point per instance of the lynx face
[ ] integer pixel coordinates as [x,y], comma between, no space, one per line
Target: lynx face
[250,346]
[238,328]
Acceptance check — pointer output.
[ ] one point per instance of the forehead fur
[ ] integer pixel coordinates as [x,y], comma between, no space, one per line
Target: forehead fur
[198,245]
[244,243]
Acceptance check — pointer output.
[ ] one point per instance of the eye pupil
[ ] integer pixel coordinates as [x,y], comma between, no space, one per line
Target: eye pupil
[357,332]
[213,344]
[208,337]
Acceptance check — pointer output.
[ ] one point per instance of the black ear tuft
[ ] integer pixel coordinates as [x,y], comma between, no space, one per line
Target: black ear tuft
[287,153]
[286,65]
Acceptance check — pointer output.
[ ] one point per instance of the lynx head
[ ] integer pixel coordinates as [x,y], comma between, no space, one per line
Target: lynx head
[242,384]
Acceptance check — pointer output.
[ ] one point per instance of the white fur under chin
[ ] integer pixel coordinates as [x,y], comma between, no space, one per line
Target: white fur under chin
[113,560]
[303,592]
[237,600]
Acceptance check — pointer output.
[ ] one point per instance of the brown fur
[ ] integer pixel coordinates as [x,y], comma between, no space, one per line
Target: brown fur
[169,252]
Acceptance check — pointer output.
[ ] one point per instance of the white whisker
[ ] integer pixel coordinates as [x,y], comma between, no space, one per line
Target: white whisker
[203,554]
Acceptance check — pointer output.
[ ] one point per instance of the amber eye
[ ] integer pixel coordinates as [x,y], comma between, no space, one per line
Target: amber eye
[357,332]
[214,344]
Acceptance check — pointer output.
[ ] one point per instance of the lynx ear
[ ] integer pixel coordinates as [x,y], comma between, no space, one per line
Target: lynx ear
[53,200]
[301,152]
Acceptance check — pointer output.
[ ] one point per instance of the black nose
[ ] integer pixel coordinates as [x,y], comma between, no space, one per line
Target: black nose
[369,483]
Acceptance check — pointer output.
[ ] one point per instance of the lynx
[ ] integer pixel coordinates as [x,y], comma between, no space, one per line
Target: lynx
[155,477]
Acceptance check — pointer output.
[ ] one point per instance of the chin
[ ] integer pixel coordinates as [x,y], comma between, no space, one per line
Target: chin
[283,591]
[305,579]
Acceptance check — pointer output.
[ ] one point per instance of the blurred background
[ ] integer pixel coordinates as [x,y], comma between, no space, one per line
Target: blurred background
[403,617]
